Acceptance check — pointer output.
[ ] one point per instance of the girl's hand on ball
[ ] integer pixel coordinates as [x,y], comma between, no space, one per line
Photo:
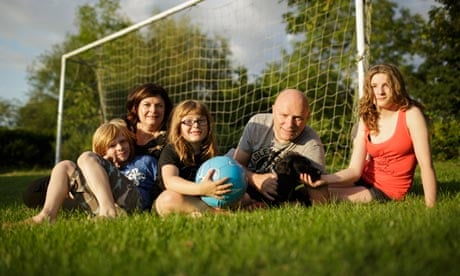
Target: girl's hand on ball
[214,188]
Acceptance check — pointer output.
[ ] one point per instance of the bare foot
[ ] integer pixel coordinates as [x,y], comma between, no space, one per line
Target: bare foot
[36,220]
[39,219]
[112,212]
[196,214]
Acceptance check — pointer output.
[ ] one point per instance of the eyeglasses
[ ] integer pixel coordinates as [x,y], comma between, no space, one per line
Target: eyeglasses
[190,122]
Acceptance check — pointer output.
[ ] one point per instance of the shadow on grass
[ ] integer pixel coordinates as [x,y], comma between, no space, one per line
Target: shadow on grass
[448,179]
[12,188]
[445,188]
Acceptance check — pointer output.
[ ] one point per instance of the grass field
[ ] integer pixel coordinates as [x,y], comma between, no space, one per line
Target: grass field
[397,238]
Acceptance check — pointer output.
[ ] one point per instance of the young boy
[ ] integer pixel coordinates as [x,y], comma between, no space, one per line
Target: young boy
[106,181]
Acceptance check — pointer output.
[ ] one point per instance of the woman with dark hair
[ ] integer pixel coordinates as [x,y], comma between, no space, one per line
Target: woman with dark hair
[148,108]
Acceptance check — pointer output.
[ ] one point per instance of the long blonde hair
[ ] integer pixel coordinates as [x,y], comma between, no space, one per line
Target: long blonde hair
[367,108]
[182,147]
[107,132]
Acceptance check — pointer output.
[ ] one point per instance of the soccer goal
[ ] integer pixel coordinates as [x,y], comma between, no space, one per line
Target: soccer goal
[234,55]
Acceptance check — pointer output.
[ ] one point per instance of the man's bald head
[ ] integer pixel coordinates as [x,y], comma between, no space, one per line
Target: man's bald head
[294,97]
[290,113]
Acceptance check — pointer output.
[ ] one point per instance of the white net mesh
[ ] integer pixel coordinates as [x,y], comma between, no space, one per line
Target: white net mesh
[236,56]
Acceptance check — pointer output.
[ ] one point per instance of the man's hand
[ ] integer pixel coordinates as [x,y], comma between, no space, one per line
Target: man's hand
[267,184]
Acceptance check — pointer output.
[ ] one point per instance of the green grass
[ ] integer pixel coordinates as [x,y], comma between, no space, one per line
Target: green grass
[396,238]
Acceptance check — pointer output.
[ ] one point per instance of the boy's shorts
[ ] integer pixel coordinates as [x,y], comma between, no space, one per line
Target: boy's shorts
[124,191]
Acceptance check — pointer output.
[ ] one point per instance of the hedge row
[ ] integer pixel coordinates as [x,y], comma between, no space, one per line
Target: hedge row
[22,149]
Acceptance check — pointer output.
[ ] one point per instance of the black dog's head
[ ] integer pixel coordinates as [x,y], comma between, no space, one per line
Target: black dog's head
[288,170]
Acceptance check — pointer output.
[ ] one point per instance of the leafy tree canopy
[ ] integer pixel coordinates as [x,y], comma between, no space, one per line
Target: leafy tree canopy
[93,22]
[440,71]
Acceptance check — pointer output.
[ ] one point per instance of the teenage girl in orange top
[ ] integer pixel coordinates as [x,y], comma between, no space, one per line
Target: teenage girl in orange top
[392,137]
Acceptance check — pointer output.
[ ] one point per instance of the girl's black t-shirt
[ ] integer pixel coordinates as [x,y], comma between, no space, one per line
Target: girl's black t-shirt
[170,156]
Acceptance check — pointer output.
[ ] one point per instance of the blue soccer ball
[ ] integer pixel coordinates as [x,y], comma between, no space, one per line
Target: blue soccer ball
[224,166]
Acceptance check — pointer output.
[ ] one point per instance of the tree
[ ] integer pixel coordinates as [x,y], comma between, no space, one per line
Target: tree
[323,57]
[107,72]
[394,34]
[440,70]
[8,113]
[428,53]
[39,113]
[392,38]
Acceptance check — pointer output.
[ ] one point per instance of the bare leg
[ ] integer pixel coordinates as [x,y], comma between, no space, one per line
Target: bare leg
[58,189]
[319,195]
[248,204]
[358,194]
[98,181]
[169,202]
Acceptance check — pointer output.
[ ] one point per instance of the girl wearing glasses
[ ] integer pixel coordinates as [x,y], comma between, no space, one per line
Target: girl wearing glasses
[191,141]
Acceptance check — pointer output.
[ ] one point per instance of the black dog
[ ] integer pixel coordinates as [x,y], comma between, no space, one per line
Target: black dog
[288,170]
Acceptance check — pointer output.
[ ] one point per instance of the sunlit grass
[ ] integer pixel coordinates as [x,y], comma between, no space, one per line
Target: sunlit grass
[397,238]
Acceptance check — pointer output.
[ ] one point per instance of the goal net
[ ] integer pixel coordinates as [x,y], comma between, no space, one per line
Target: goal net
[234,55]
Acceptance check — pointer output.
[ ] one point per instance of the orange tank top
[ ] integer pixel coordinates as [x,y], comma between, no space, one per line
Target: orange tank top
[391,165]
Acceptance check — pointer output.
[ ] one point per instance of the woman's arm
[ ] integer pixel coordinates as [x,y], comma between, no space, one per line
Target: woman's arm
[351,174]
[421,141]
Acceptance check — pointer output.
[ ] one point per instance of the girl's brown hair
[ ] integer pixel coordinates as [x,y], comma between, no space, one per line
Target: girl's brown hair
[182,147]
[367,108]
[107,132]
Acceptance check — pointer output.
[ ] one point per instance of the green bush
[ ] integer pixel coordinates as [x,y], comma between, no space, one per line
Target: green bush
[445,138]
[25,150]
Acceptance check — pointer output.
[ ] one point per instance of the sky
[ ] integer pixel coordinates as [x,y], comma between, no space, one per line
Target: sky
[29,28]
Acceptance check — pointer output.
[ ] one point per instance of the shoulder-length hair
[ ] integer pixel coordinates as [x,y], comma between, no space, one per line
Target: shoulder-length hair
[182,147]
[107,132]
[367,108]
[138,94]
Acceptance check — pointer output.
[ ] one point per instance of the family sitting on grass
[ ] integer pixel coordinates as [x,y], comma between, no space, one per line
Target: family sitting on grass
[148,161]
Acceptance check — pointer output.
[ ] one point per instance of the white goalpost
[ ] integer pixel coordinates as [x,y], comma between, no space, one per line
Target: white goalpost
[360,44]
[234,55]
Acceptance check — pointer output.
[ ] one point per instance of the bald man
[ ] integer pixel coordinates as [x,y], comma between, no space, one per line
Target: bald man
[269,137]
